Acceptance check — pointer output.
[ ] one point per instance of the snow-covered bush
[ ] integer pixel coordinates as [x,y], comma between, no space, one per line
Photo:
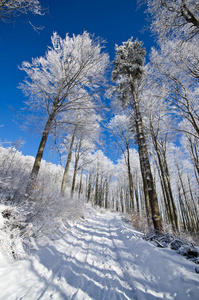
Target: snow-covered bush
[46,209]
[11,241]
[14,172]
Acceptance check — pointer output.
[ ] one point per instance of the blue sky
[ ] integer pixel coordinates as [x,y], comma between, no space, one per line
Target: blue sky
[113,20]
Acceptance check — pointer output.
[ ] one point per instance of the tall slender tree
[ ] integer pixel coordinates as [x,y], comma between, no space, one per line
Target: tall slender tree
[128,72]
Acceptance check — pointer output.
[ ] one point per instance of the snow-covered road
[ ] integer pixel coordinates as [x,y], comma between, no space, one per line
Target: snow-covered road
[100,258]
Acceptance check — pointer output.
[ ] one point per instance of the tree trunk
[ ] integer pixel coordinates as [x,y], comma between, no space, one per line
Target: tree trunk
[130,179]
[96,199]
[100,192]
[145,166]
[63,184]
[80,182]
[89,188]
[121,199]
[75,168]
[137,200]
[145,190]
[188,210]
[194,155]
[40,152]
[106,193]
[195,209]
[175,214]
[165,181]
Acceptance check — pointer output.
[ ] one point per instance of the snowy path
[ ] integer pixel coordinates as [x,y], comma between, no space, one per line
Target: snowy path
[100,258]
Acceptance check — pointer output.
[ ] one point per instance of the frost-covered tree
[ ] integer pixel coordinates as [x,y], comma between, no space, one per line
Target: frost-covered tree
[119,127]
[87,136]
[120,186]
[186,188]
[76,127]
[159,124]
[99,173]
[71,69]
[173,18]
[191,146]
[127,73]
[12,9]
[176,70]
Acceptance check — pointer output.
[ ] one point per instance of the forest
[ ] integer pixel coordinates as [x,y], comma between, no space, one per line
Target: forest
[149,109]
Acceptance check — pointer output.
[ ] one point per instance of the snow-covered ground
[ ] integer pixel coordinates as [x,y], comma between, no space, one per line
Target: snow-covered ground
[100,258]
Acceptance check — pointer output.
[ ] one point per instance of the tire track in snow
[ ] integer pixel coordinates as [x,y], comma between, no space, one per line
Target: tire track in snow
[84,263]
[57,270]
[133,265]
[121,260]
[63,266]
[105,257]
[89,266]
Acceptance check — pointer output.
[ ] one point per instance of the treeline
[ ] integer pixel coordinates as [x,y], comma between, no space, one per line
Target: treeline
[154,120]
[100,182]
